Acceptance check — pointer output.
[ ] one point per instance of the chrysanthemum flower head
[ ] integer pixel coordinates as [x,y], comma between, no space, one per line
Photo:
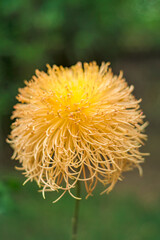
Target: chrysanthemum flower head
[77,124]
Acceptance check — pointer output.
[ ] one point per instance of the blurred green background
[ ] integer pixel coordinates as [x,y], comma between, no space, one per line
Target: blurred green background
[62,32]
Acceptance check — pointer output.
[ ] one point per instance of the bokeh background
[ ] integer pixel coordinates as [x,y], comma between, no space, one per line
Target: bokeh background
[62,32]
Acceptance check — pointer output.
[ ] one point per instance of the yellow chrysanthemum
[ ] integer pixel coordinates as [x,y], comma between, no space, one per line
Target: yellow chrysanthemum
[77,124]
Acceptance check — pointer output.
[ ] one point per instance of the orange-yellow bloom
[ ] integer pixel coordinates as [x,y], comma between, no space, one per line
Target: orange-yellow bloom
[77,124]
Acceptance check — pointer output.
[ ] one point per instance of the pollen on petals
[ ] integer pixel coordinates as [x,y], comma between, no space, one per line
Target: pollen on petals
[77,124]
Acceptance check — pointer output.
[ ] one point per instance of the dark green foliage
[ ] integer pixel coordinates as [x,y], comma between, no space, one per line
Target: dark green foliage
[116,216]
[7,205]
[36,32]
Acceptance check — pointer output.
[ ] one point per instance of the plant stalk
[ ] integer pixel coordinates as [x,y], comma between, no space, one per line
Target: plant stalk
[76,211]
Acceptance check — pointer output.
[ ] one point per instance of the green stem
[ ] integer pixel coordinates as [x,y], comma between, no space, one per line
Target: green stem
[76,210]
